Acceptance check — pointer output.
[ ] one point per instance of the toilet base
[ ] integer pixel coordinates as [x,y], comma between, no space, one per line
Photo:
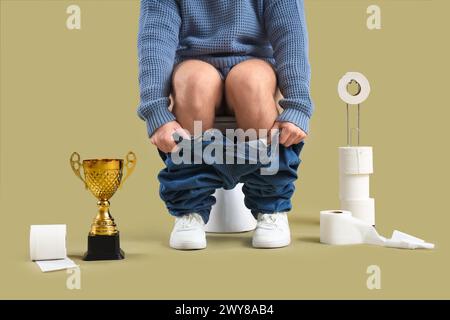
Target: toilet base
[229,214]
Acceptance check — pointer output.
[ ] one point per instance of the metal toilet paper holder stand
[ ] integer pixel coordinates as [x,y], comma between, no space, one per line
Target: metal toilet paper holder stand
[361,94]
[358,117]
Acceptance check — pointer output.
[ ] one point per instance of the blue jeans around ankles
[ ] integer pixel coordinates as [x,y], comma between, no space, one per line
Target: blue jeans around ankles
[189,187]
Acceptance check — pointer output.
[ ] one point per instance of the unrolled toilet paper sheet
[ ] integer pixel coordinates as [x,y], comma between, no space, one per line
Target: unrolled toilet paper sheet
[403,240]
[54,265]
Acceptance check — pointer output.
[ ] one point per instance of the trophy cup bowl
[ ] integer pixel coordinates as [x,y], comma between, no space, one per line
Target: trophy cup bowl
[103,177]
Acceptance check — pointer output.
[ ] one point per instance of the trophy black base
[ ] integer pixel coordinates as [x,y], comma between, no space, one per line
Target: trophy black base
[104,248]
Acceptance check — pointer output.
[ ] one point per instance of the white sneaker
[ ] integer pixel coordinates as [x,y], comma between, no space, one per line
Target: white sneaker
[272,231]
[188,232]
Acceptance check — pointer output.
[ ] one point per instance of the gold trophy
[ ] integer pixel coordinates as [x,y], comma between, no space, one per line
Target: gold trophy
[103,177]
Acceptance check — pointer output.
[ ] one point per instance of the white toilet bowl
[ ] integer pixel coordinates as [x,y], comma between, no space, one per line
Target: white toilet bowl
[229,214]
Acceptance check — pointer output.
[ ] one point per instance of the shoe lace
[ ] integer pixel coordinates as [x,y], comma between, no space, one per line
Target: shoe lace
[268,220]
[188,220]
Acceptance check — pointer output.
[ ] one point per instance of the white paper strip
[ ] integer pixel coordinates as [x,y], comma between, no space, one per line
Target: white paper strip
[53,265]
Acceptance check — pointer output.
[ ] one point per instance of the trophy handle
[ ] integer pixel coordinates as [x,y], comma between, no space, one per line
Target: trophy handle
[130,164]
[75,163]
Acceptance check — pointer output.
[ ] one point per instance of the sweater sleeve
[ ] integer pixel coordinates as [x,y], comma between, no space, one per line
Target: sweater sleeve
[159,25]
[286,28]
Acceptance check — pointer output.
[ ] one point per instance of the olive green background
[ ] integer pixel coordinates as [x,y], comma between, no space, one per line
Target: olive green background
[65,91]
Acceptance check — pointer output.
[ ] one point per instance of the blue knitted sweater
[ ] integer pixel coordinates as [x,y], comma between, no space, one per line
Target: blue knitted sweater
[223,33]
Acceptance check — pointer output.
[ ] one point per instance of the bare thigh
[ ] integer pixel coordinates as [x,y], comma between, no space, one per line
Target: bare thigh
[197,94]
[250,90]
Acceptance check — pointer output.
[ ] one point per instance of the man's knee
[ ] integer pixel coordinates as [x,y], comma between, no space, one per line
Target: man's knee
[195,86]
[252,80]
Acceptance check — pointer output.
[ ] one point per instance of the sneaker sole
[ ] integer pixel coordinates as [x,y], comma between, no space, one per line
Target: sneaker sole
[188,246]
[270,244]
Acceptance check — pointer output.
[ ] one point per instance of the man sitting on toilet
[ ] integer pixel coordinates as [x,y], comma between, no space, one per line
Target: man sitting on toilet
[204,56]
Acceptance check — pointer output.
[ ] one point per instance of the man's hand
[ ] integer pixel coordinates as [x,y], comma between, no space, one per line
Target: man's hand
[289,133]
[163,136]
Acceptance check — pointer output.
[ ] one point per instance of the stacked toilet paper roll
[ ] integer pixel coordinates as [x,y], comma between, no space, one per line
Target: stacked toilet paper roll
[355,168]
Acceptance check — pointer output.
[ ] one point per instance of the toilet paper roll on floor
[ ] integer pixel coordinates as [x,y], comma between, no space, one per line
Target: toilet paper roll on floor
[355,160]
[362,209]
[339,227]
[355,186]
[48,247]
[48,242]
[336,229]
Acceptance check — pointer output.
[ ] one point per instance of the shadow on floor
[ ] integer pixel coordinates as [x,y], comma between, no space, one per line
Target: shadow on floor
[309,239]
[244,238]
